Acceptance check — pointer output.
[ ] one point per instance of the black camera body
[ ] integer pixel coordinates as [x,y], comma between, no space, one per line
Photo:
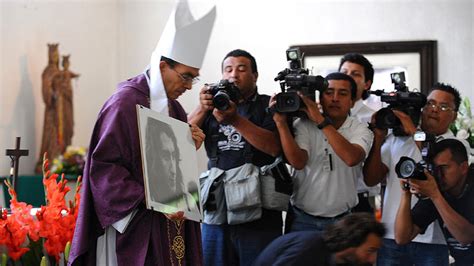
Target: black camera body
[295,79]
[400,99]
[223,92]
[407,168]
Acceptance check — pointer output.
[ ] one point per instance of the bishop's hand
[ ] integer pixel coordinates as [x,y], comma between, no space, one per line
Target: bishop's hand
[177,216]
[197,135]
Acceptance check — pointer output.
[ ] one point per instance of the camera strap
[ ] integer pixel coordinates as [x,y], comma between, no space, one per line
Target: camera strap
[246,110]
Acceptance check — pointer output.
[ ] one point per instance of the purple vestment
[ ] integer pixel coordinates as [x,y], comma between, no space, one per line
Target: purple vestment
[113,188]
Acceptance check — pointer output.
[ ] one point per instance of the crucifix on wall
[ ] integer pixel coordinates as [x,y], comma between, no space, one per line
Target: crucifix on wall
[15,155]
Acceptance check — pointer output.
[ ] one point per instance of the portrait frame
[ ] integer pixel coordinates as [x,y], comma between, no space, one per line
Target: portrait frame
[425,49]
[169,191]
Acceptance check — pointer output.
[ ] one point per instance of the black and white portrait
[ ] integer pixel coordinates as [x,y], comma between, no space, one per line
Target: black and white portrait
[169,165]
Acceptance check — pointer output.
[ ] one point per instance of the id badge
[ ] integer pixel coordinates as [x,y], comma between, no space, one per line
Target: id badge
[327,162]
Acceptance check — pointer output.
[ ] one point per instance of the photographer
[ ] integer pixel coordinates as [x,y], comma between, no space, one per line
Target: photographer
[438,113]
[451,202]
[362,71]
[228,134]
[324,151]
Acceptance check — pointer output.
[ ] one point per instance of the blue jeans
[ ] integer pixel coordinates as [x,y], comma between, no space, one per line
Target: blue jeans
[413,253]
[238,244]
[301,221]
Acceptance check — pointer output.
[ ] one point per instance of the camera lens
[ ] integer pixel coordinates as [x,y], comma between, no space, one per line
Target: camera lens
[385,118]
[289,101]
[405,167]
[221,100]
[390,119]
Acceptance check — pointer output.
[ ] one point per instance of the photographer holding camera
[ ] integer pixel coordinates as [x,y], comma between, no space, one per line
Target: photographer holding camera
[437,114]
[234,132]
[324,150]
[450,190]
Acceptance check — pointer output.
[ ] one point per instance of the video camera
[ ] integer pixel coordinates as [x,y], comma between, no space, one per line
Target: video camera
[400,99]
[294,79]
[407,168]
[223,92]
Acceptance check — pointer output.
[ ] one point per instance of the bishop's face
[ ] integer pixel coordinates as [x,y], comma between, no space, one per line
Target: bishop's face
[169,160]
[177,79]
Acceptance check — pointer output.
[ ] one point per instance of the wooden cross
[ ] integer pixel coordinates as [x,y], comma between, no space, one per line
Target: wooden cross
[15,155]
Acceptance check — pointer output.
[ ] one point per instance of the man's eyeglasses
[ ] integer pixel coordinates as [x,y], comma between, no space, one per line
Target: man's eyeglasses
[186,77]
[443,107]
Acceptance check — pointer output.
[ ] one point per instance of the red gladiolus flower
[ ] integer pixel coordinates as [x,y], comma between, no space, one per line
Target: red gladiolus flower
[55,222]
[16,227]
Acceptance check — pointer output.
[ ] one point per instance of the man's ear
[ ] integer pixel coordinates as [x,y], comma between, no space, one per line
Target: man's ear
[455,116]
[368,84]
[465,168]
[163,64]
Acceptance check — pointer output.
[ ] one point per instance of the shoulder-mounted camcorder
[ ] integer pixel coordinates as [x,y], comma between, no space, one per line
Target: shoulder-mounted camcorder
[293,79]
[401,99]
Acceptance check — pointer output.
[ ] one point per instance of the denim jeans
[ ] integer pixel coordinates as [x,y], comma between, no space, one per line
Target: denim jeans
[413,253]
[301,221]
[238,244]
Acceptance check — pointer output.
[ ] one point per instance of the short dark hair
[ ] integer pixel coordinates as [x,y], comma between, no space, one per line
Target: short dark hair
[360,60]
[243,53]
[352,231]
[342,76]
[154,129]
[457,149]
[169,61]
[449,89]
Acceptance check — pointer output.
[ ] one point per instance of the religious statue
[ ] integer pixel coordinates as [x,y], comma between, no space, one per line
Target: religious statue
[58,114]
[65,104]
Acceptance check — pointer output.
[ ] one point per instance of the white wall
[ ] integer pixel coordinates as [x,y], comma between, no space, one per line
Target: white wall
[85,29]
[112,40]
[267,28]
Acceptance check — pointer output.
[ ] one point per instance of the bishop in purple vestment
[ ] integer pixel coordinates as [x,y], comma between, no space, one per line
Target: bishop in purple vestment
[113,184]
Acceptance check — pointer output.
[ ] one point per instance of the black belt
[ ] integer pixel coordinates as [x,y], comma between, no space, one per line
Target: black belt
[322,217]
[330,218]
[363,194]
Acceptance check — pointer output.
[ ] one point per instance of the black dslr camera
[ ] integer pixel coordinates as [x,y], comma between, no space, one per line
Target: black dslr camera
[400,99]
[223,92]
[407,168]
[295,79]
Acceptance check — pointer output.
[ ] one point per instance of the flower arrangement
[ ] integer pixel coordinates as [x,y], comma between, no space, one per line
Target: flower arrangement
[48,232]
[71,162]
[463,127]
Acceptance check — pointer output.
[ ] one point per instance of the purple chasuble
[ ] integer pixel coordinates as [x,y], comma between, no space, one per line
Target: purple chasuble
[113,188]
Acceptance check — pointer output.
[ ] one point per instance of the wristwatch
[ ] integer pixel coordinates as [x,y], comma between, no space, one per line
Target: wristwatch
[326,122]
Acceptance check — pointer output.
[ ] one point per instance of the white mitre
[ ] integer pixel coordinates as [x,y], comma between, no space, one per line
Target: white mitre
[184,40]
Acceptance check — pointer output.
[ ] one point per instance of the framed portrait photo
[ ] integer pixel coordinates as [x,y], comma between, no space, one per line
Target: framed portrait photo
[169,162]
